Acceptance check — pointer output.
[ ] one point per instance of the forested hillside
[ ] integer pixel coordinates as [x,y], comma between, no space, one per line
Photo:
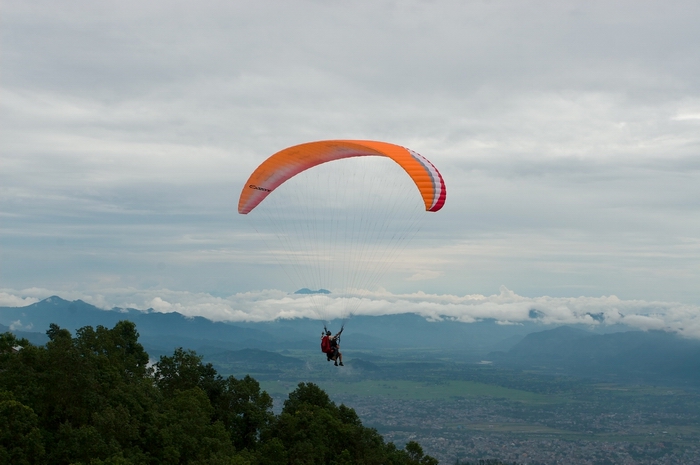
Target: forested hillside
[93,398]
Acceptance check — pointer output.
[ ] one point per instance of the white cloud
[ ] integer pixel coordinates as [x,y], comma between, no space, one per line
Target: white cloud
[687,117]
[160,305]
[424,275]
[506,307]
[18,326]
[11,300]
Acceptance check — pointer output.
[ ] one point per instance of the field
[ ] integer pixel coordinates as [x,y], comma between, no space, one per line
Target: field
[402,389]
[473,406]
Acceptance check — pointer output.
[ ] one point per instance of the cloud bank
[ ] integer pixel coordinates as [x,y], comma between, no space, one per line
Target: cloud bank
[506,307]
[568,134]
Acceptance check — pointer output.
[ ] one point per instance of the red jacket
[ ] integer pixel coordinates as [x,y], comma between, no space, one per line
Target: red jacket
[325,344]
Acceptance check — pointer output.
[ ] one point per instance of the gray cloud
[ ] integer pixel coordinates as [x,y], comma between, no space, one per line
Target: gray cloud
[567,134]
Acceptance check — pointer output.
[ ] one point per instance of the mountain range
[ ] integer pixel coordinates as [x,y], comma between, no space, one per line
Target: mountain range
[651,357]
[654,357]
[161,332]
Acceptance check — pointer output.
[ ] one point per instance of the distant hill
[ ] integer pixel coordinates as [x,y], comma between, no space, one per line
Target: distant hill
[306,290]
[35,338]
[631,356]
[162,332]
[407,331]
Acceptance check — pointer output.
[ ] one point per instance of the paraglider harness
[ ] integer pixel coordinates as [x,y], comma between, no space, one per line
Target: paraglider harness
[330,346]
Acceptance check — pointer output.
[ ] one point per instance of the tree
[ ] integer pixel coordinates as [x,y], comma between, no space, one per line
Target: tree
[20,438]
[185,432]
[307,394]
[92,399]
[314,430]
[415,454]
[92,394]
[244,409]
[118,348]
[240,405]
[185,370]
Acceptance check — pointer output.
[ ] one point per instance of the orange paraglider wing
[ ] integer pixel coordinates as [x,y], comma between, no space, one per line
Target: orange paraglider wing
[291,161]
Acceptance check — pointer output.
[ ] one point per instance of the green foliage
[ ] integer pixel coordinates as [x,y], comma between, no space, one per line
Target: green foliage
[306,394]
[92,399]
[185,432]
[20,437]
[415,453]
[313,429]
[238,404]
[244,409]
[183,371]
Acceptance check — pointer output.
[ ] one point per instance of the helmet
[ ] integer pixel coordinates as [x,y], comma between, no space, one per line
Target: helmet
[328,333]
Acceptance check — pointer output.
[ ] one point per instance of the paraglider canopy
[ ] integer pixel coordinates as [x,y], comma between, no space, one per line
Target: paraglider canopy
[293,160]
[336,215]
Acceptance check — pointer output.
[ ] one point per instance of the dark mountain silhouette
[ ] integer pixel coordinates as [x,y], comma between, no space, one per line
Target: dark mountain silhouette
[631,356]
[306,290]
[160,332]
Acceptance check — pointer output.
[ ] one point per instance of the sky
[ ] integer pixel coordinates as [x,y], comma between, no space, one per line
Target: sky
[568,134]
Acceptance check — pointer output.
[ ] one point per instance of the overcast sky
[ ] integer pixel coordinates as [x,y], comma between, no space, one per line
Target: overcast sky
[568,134]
